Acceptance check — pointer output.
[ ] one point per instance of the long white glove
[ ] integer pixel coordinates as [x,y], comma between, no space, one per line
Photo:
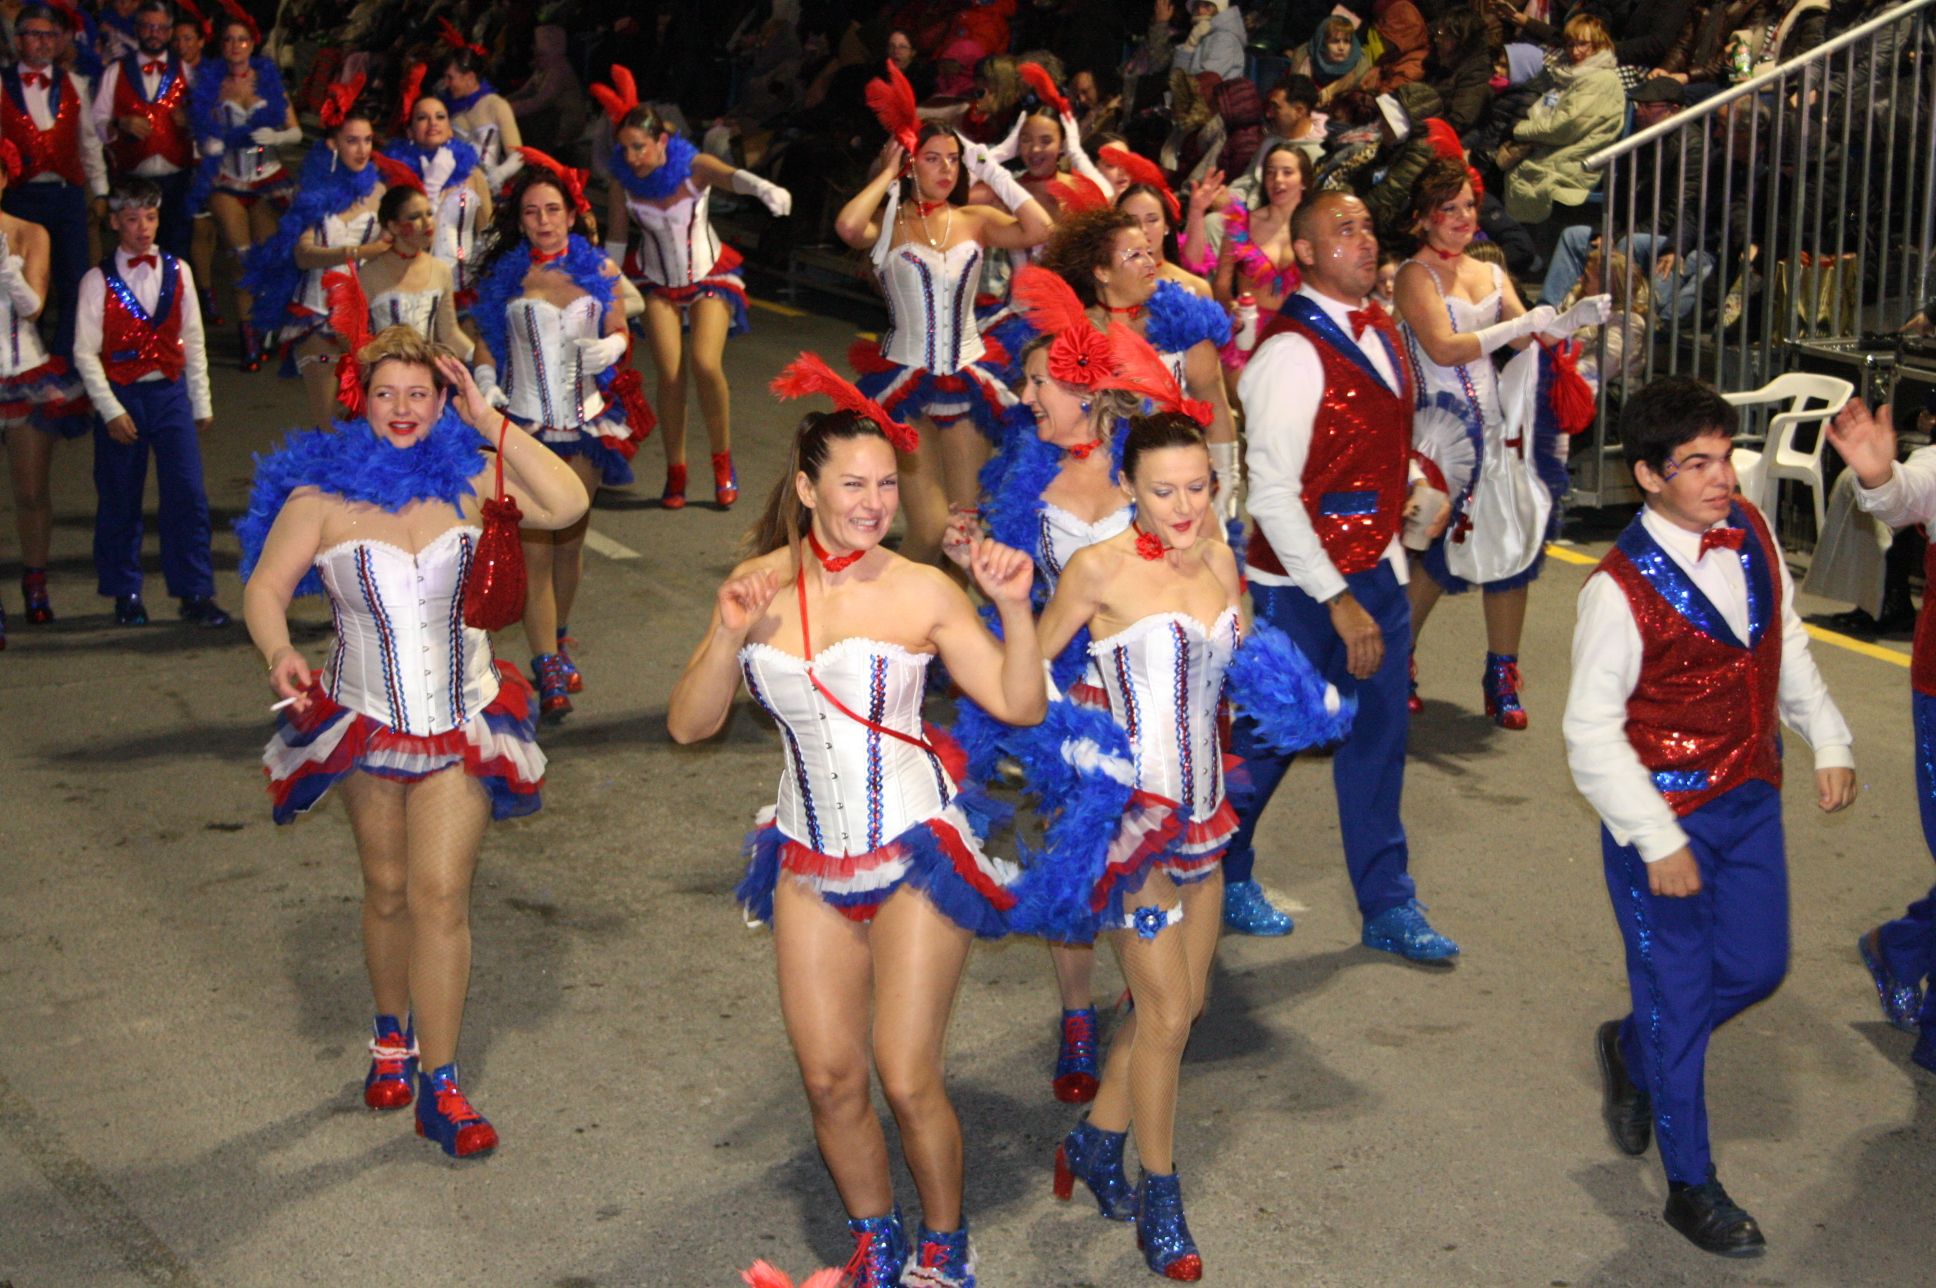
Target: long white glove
[213,147]
[501,172]
[1591,310]
[1007,189]
[25,299]
[267,136]
[486,377]
[1079,160]
[1009,148]
[1223,460]
[776,199]
[1531,322]
[595,356]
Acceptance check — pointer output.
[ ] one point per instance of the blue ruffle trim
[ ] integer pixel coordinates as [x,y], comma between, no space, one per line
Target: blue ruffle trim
[614,468]
[1180,319]
[930,871]
[1278,690]
[925,392]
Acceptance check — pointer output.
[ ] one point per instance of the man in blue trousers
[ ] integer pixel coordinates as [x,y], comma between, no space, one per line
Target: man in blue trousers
[139,350]
[1688,657]
[1328,408]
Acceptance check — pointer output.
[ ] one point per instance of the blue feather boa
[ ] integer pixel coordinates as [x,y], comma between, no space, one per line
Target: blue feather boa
[463,157]
[459,106]
[1281,693]
[1180,320]
[204,100]
[505,283]
[356,463]
[662,182]
[269,271]
[1015,479]
[1058,882]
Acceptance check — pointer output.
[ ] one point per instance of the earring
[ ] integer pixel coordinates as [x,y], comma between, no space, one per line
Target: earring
[1085,408]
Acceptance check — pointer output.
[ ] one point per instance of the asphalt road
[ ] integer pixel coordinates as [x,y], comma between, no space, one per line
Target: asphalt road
[183,1004]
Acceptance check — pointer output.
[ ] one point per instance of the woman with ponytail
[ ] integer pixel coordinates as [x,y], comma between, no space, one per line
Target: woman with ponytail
[478,113]
[868,868]
[552,328]
[932,365]
[691,281]
[453,179]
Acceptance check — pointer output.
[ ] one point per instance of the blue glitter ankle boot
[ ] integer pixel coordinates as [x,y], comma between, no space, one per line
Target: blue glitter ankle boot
[1096,1156]
[1501,687]
[880,1251]
[1075,1062]
[942,1260]
[1162,1233]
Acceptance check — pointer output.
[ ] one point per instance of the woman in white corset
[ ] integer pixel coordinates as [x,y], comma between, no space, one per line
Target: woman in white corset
[457,187]
[410,717]
[481,117]
[552,350]
[411,286]
[931,365]
[659,228]
[868,869]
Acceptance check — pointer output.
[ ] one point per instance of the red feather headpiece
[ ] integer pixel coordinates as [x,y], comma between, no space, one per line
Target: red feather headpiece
[10,160]
[620,97]
[338,99]
[1039,80]
[196,16]
[809,374]
[396,174]
[241,15]
[412,91]
[574,180]
[1140,370]
[1079,355]
[349,315]
[448,33]
[892,102]
[1143,170]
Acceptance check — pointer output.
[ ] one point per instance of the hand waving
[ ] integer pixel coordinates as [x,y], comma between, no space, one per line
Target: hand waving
[744,600]
[1867,441]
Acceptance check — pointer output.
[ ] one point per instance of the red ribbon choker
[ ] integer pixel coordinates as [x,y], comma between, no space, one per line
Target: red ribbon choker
[832,563]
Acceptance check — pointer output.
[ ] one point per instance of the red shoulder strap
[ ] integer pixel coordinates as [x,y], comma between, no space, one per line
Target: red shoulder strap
[806,647]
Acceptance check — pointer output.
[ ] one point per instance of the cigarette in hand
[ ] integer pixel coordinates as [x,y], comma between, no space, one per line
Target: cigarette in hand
[286,702]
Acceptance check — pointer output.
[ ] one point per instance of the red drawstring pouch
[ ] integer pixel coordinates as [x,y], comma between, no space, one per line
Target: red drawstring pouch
[1572,397]
[494,594]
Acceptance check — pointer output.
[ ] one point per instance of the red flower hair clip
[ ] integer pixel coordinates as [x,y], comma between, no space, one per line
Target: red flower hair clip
[809,374]
[1079,354]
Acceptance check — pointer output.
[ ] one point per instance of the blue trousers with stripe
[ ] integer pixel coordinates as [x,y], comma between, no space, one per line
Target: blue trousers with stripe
[1909,942]
[1368,768]
[164,425]
[1695,963]
[61,209]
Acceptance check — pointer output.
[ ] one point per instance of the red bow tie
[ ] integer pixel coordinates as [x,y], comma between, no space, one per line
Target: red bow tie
[155,68]
[31,79]
[1372,314]
[1721,538]
[136,261]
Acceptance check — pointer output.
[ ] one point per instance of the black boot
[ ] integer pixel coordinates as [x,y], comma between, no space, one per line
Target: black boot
[1711,1220]
[1628,1113]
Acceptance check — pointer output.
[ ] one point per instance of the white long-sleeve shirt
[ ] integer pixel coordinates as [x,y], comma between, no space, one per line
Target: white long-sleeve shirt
[1909,495]
[35,97]
[1606,669]
[145,282]
[1280,391]
[153,167]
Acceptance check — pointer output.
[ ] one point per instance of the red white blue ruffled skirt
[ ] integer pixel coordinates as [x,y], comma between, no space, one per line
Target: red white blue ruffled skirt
[976,391]
[726,282]
[1154,835]
[49,398]
[315,748]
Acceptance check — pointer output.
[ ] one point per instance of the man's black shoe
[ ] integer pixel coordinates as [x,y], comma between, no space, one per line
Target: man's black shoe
[204,611]
[1712,1222]
[1629,1114]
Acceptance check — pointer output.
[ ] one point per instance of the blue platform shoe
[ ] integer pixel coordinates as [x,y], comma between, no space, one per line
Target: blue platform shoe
[1404,930]
[1501,688]
[942,1260]
[1247,912]
[1096,1156]
[1161,1231]
[880,1251]
[393,1064]
[1900,1001]
[1076,1077]
[445,1116]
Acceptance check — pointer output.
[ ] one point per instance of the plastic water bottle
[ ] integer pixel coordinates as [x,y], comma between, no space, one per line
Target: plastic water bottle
[1246,321]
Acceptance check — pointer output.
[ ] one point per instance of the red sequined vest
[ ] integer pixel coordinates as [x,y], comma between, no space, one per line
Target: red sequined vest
[1703,717]
[55,151]
[166,138]
[1354,479]
[132,343]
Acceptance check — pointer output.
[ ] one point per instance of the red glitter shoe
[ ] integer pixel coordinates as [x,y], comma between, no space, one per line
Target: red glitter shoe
[725,479]
[674,496]
[33,588]
[393,1065]
[251,348]
[554,692]
[1501,686]
[445,1116]
[1413,702]
[574,682]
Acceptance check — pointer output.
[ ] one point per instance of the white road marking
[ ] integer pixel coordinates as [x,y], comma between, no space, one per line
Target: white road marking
[611,549]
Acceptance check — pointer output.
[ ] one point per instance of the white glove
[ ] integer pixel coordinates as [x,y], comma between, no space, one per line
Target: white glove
[1007,189]
[1223,460]
[268,137]
[213,147]
[501,173]
[595,356]
[486,377]
[1009,148]
[1591,310]
[1079,160]
[1528,323]
[775,198]
[25,299]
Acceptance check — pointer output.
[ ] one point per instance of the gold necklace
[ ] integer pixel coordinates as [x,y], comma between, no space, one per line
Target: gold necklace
[947,229]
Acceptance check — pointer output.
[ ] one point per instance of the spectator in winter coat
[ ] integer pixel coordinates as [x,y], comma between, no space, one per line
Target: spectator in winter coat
[1216,40]
[1333,59]
[1545,163]
[1460,68]
[1402,27]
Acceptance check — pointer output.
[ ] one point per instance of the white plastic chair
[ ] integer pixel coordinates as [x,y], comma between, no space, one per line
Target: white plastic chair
[1760,472]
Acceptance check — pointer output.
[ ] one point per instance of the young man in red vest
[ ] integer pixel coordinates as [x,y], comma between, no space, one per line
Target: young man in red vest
[1901,954]
[44,114]
[1328,406]
[1688,657]
[138,347]
[141,113]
